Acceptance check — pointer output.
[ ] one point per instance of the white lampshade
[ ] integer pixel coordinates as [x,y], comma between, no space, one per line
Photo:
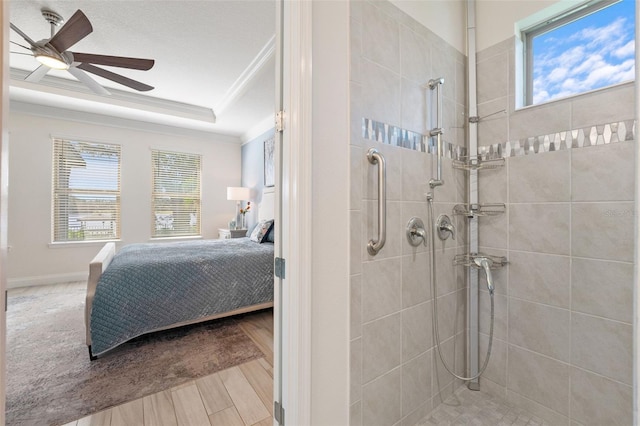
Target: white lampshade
[238,193]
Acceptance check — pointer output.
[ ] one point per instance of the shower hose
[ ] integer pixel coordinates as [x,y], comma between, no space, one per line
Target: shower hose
[434,311]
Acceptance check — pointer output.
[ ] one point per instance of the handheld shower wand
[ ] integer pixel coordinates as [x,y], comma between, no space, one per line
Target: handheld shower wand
[486,264]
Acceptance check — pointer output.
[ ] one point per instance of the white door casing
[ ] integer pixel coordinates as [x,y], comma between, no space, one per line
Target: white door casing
[315,213]
[292,328]
[4,189]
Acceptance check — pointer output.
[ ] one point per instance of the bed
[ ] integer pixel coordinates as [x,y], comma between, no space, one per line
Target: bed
[149,287]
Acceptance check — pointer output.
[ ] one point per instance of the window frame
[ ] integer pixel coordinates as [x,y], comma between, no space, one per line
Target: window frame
[57,191]
[154,196]
[549,24]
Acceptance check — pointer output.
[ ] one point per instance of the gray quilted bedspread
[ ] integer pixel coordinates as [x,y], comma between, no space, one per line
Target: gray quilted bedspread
[151,286]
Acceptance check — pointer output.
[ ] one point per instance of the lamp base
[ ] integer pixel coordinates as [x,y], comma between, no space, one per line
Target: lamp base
[238,216]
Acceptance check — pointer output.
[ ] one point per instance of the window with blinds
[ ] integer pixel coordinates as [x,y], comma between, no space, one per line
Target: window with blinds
[176,194]
[86,191]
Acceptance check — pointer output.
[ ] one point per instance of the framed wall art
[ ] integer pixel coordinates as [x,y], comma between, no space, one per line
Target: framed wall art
[269,163]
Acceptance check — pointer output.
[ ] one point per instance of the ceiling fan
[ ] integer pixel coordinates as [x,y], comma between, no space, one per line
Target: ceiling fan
[52,53]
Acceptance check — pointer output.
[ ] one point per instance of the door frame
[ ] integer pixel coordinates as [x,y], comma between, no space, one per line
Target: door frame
[4,189]
[315,212]
[292,330]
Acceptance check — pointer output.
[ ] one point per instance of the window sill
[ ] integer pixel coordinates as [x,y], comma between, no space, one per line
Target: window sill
[71,244]
[570,98]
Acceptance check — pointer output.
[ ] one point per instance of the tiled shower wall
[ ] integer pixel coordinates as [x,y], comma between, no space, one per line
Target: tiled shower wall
[563,330]
[395,375]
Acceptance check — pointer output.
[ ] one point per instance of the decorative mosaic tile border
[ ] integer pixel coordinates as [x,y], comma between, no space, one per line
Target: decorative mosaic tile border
[396,136]
[580,138]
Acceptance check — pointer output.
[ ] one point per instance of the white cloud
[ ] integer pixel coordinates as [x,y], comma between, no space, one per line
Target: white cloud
[601,75]
[558,74]
[570,85]
[599,36]
[540,97]
[626,50]
[588,59]
[628,75]
[588,65]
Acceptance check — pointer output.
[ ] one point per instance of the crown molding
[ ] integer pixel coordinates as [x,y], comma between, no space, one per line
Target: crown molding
[119,99]
[239,86]
[61,113]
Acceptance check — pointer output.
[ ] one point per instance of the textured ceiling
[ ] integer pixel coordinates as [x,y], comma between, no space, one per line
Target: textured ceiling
[201,49]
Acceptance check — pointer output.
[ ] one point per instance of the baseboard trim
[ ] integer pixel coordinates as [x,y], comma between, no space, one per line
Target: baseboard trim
[46,280]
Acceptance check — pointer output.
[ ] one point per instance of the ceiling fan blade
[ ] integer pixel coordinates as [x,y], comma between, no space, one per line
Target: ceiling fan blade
[114,61]
[37,74]
[23,35]
[141,87]
[74,30]
[90,82]
[21,45]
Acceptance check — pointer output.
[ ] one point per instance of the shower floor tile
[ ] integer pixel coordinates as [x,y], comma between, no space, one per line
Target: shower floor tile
[467,407]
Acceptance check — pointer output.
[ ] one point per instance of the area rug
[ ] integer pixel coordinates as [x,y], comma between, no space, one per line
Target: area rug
[51,381]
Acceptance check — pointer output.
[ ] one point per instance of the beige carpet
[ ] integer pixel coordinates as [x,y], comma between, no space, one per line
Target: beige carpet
[50,380]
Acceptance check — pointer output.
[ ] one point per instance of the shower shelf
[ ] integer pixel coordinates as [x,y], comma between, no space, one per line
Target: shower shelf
[477,163]
[468,260]
[473,210]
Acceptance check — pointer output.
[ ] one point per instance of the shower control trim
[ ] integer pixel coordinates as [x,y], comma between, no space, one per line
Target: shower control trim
[416,234]
[445,227]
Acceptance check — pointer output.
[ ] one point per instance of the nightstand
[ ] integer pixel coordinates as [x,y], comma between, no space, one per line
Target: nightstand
[225,234]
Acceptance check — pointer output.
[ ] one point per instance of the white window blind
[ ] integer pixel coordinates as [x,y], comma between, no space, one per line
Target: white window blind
[86,191]
[176,194]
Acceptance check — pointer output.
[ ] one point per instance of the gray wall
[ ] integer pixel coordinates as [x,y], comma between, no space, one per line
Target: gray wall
[253,172]
[563,347]
[395,375]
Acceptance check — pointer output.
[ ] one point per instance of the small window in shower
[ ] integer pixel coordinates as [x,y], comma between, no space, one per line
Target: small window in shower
[586,48]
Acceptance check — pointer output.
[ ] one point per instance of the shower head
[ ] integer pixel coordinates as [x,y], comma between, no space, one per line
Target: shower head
[481,261]
[486,264]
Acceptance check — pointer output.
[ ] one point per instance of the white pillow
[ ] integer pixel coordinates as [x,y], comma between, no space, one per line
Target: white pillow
[259,234]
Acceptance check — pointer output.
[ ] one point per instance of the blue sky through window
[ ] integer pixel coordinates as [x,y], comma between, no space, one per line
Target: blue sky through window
[100,173]
[595,51]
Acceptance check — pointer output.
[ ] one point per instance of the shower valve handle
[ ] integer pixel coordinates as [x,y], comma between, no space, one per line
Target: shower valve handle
[450,229]
[419,233]
[445,227]
[416,233]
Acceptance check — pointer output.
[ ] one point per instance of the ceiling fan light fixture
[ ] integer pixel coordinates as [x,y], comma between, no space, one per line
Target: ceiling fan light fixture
[51,61]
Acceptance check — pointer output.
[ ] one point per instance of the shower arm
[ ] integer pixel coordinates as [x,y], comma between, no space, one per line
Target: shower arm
[437,131]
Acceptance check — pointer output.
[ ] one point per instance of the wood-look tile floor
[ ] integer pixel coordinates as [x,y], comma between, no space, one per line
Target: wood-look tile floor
[241,395]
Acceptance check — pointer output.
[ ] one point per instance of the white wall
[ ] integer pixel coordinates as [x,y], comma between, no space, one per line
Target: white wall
[31,259]
[443,17]
[330,218]
[495,18]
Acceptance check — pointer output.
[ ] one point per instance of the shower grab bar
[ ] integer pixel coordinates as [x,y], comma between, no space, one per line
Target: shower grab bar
[374,157]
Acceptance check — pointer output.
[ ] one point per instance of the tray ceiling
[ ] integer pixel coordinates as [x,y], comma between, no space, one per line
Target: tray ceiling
[215,55]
